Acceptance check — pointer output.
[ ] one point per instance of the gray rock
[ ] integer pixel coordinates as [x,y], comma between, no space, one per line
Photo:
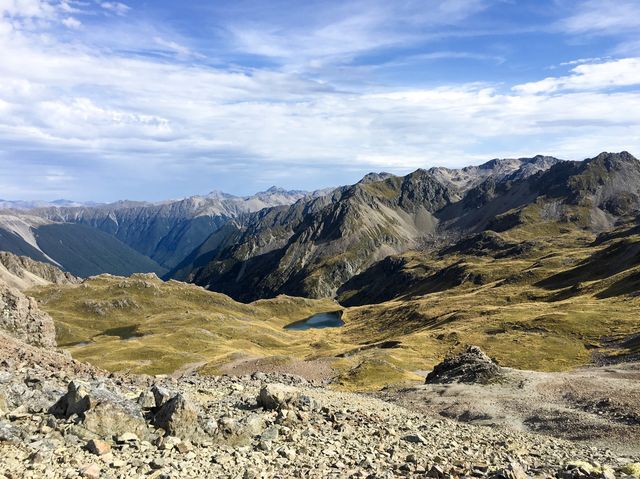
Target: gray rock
[102,412]
[160,395]
[147,400]
[415,438]
[178,417]
[471,366]
[75,401]
[277,396]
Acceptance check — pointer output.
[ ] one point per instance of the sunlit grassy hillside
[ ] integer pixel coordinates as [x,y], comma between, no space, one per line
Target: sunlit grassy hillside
[546,301]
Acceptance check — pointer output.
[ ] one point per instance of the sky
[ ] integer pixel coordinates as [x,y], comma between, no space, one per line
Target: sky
[148,100]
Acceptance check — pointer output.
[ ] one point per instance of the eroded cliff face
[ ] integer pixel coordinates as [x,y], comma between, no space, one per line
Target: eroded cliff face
[21,318]
[22,272]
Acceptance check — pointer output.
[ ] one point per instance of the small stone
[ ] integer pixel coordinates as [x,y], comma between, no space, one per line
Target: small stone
[90,471]
[127,437]
[436,472]
[4,406]
[18,413]
[250,474]
[98,447]
[415,438]
[184,447]
[168,443]
[36,458]
[157,463]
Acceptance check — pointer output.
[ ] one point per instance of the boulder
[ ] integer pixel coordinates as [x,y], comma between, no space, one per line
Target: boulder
[102,412]
[277,396]
[146,400]
[160,395]
[472,366]
[75,401]
[178,417]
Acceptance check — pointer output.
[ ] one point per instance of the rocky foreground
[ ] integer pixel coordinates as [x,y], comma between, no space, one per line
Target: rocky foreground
[63,419]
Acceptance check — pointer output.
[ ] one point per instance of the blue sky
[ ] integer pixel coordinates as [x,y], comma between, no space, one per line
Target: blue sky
[162,99]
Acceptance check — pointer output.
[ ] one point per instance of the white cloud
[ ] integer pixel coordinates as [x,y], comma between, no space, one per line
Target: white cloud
[72,23]
[26,8]
[143,117]
[116,7]
[174,47]
[340,32]
[603,17]
[589,76]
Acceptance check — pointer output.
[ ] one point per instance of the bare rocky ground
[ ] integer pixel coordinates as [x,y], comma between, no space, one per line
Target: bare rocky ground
[597,406]
[64,419]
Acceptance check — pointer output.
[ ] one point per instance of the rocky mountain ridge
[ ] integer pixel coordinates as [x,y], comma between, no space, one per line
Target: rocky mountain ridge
[314,247]
[168,231]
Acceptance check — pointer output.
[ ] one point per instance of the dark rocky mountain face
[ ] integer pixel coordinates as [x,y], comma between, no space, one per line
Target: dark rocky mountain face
[75,248]
[311,248]
[314,248]
[169,231]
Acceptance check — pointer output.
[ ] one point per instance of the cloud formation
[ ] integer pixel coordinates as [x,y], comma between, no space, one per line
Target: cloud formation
[83,119]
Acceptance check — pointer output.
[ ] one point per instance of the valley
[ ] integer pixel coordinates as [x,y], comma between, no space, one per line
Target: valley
[354,295]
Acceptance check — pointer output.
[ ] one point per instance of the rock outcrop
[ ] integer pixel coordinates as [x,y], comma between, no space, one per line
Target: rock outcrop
[21,318]
[471,366]
[22,272]
[102,413]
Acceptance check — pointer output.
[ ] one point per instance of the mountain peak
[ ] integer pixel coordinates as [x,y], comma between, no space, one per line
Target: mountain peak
[373,177]
[220,195]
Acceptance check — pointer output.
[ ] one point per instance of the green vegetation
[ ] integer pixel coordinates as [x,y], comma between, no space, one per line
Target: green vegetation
[542,301]
[144,325]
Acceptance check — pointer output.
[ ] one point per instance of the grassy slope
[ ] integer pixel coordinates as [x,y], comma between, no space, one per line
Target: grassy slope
[525,312]
[145,325]
[519,308]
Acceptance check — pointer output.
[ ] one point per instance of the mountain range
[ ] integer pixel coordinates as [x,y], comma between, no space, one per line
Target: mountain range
[314,248]
[126,237]
[330,243]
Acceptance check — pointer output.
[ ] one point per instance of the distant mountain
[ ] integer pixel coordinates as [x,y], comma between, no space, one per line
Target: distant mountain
[316,246]
[168,231]
[498,170]
[30,205]
[78,249]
